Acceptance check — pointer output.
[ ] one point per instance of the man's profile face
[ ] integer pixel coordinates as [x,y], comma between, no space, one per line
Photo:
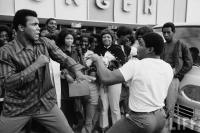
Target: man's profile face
[124,40]
[32,29]
[168,34]
[52,26]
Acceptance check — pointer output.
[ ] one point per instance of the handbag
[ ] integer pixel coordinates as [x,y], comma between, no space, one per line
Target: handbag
[79,88]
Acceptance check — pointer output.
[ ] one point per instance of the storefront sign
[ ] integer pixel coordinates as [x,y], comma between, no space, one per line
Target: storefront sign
[105,4]
[102,4]
[127,5]
[148,6]
[119,11]
[69,2]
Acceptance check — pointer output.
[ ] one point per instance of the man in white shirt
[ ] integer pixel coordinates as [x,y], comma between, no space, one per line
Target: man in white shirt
[149,79]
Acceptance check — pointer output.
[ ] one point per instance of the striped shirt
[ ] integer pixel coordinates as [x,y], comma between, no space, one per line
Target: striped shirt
[23,81]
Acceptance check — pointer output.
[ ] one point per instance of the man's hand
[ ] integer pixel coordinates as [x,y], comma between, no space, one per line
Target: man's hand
[81,76]
[94,57]
[65,75]
[42,60]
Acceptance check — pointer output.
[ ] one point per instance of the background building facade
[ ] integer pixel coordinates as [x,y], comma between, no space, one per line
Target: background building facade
[106,12]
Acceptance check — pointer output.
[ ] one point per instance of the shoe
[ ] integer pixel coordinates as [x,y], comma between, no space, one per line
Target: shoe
[100,130]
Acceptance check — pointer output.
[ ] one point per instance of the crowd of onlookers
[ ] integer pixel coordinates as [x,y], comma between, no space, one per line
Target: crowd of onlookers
[105,104]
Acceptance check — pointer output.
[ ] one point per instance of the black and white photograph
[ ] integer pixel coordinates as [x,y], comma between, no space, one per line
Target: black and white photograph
[99,66]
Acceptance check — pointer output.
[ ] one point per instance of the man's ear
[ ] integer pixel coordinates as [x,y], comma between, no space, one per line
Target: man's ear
[21,27]
[151,49]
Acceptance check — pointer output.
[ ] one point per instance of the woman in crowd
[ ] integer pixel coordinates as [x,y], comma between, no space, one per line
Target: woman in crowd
[65,42]
[110,97]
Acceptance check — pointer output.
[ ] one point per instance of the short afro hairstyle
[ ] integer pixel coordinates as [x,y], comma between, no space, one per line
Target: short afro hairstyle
[154,40]
[49,19]
[20,17]
[169,25]
[142,31]
[123,30]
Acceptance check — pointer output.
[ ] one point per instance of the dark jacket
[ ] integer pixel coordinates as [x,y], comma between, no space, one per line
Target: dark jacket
[127,50]
[182,58]
[115,50]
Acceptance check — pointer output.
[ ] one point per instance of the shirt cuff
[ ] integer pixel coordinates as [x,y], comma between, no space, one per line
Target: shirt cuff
[76,67]
[72,65]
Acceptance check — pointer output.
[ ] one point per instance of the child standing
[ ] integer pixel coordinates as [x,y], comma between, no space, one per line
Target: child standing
[91,103]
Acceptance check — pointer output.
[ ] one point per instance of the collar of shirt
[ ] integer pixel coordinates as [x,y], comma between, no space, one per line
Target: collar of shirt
[19,46]
[122,47]
[107,47]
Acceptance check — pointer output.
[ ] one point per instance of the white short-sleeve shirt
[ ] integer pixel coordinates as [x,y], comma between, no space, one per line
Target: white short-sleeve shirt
[149,80]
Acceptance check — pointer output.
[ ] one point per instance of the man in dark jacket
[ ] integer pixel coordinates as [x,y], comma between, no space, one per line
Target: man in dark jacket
[177,54]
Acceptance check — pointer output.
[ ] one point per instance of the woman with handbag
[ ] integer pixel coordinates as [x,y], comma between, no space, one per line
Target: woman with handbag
[65,41]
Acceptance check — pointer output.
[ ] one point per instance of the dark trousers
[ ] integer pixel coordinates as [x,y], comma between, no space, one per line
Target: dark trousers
[68,108]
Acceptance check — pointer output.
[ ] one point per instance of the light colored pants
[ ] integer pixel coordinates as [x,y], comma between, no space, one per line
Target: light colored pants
[110,96]
[54,121]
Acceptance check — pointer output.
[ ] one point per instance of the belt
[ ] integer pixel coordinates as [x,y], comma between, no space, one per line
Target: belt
[141,113]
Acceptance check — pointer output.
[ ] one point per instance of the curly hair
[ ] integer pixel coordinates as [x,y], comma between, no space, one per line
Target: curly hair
[154,40]
[48,20]
[60,41]
[110,32]
[142,31]
[169,25]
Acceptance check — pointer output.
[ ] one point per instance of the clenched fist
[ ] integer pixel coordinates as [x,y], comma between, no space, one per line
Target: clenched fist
[42,60]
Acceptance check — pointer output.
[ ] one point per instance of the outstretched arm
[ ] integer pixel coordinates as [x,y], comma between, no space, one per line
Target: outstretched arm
[106,76]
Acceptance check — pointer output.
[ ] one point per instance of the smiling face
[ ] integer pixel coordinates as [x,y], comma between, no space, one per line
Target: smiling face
[32,29]
[52,26]
[107,40]
[4,37]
